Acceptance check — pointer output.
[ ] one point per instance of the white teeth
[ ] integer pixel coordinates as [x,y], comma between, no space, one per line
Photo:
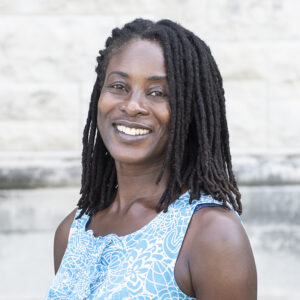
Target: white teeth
[132,131]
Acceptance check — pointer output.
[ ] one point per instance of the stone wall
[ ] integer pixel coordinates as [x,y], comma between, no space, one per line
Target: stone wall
[47,61]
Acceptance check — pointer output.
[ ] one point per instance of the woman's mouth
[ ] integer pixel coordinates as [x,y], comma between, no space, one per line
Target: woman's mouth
[132,131]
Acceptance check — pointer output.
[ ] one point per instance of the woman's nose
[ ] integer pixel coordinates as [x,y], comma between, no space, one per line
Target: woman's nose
[134,105]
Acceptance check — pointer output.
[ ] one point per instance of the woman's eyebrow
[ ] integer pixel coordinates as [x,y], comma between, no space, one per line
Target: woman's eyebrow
[156,78]
[151,78]
[123,74]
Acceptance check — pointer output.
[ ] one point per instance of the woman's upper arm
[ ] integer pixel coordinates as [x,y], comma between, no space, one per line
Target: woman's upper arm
[221,261]
[61,239]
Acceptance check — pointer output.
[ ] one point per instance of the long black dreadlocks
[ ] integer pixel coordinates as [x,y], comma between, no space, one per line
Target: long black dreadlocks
[198,152]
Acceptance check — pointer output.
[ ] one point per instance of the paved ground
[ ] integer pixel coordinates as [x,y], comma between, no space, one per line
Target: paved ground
[28,219]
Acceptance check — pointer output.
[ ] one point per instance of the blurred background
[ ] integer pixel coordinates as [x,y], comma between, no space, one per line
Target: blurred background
[47,62]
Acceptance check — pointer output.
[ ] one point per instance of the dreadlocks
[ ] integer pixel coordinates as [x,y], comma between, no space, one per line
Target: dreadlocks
[198,152]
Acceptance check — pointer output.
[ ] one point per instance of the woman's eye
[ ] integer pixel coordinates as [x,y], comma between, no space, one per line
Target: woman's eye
[118,87]
[156,94]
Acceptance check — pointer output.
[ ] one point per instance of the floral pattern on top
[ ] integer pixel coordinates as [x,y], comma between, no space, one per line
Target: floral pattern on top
[139,265]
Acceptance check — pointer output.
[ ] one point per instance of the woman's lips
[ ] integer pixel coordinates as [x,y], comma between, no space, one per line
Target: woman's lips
[134,125]
[131,133]
[131,130]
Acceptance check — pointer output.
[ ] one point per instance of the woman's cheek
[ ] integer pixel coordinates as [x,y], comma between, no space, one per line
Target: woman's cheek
[165,114]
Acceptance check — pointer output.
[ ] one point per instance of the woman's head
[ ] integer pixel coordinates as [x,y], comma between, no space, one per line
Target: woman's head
[197,151]
[133,108]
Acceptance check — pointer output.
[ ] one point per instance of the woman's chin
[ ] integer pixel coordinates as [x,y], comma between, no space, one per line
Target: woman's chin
[130,159]
[135,158]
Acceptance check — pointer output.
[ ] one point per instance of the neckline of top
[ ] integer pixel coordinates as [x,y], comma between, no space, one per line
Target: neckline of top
[90,232]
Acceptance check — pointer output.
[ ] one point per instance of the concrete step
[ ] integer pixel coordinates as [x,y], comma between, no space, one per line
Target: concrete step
[26,265]
[267,205]
[36,210]
[278,273]
[59,169]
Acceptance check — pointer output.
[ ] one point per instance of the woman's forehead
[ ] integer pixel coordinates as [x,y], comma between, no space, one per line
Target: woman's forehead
[139,56]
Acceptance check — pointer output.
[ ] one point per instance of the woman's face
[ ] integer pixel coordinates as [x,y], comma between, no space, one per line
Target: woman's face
[133,109]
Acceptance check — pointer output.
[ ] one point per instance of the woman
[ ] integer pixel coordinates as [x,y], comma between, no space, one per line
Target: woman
[158,215]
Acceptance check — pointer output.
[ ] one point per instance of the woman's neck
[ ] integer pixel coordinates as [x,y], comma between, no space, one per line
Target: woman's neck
[138,184]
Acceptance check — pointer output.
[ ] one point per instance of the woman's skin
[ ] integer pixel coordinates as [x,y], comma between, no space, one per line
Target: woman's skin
[215,260]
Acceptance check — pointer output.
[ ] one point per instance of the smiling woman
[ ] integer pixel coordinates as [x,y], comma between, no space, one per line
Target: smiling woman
[133,109]
[158,216]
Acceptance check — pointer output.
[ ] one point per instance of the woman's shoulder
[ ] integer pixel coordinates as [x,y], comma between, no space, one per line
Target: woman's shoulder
[61,238]
[217,225]
[220,255]
[63,228]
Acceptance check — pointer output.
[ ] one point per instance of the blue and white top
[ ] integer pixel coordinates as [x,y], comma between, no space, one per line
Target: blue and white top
[139,265]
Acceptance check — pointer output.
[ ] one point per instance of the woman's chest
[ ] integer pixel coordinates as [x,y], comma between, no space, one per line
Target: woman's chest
[148,269]
[116,268]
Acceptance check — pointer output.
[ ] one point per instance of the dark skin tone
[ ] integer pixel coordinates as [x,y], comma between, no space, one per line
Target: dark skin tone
[215,260]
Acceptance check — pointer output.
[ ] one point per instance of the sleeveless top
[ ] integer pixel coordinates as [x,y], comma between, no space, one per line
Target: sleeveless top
[139,265]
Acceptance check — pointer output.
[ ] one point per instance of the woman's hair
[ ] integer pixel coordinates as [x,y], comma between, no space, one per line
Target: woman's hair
[198,153]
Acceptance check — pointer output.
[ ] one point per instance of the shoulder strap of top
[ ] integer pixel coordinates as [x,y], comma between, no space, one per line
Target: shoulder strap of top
[202,205]
[209,201]
[78,224]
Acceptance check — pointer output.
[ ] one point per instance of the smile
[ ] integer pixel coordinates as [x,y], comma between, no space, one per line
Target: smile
[132,131]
